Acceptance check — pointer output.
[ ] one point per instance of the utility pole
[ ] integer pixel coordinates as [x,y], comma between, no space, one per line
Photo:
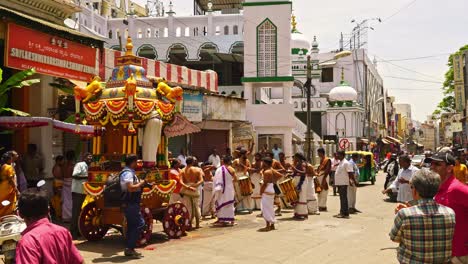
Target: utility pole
[308,85]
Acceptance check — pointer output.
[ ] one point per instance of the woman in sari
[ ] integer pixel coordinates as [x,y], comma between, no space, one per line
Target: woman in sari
[8,187]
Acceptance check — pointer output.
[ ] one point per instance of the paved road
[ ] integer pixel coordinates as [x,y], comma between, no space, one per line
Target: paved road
[322,239]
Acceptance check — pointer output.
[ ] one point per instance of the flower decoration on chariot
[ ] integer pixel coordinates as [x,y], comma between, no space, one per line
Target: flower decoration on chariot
[130,88]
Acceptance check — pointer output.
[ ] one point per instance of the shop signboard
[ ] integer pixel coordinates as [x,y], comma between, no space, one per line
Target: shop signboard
[459,82]
[192,106]
[27,48]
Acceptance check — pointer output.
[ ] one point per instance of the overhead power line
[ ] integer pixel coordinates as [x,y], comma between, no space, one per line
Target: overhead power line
[399,10]
[410,79]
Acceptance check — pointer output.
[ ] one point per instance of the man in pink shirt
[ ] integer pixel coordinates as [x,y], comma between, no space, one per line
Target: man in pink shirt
[43,242]
[453,194]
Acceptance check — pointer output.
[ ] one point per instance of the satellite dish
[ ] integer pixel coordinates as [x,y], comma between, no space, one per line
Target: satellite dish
[71,23]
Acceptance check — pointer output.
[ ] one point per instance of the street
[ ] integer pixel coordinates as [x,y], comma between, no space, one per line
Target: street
[361,239]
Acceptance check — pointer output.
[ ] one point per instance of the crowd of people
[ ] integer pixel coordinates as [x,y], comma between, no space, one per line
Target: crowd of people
[431,222]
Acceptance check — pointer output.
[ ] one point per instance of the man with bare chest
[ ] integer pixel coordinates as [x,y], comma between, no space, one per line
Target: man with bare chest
[256,177]
[207,202]
[270,177]
[242,166]
[192,176]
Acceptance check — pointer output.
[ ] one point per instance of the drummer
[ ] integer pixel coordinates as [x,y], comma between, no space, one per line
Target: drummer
[270,177]
[256,177]
[242,166]
[300,180]
[276,165]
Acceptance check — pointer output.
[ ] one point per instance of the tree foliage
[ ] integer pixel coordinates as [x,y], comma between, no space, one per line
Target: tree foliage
[447,104]
[18,80]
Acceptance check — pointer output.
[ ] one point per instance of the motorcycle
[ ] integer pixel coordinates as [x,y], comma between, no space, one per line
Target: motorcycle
[11,227]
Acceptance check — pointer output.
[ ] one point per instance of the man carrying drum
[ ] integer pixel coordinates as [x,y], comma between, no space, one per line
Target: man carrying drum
[242,166]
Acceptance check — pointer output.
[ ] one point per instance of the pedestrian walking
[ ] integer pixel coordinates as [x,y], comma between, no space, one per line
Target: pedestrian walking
[424,231]
[352,188]
[344,176]
[131,188]
[79,176]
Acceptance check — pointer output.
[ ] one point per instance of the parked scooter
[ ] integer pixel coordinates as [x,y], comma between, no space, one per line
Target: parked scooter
[11,227]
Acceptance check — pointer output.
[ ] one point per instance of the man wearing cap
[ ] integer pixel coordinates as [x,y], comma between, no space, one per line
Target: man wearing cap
[454,194]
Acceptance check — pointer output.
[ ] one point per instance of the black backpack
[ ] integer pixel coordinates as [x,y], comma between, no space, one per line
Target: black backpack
[113,194]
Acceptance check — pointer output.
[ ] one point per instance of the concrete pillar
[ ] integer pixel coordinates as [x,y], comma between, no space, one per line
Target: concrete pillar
[287,143]
[248,93]
[210,26]
[42,97]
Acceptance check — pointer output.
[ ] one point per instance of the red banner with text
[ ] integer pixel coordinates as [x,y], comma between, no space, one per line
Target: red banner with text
[27,48]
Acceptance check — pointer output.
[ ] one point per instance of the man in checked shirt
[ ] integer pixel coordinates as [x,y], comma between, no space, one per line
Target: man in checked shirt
[425,230]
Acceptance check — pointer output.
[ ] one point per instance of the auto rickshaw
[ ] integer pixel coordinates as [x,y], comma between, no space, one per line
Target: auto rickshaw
[367,166]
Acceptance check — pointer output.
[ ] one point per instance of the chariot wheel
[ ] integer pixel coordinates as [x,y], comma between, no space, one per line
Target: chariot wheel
[147,231]
[176,220]
[89,223]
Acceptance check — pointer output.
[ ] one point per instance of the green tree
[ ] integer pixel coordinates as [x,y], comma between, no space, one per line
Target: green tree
[447,104]
[18,80]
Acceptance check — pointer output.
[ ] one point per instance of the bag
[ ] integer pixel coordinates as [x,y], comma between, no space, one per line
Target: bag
[113,195]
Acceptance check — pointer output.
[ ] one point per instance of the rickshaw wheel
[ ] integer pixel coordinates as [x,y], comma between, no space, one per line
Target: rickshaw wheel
[176,220]
[146,233]
[89,223]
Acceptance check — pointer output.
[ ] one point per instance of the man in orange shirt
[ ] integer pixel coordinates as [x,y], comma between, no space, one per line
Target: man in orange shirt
[460,171]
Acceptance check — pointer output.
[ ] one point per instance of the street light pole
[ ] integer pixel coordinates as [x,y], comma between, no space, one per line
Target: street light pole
[308,85]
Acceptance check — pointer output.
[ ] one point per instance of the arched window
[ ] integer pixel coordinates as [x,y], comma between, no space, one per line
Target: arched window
[266,47]
[187,32]
[148,32]
[195,31]
[237,48]
[139,33]
[235,30]
[110,34]
[166,32]
[206,50]
[147,51]
[156,33]
[226,30]
[178,32]
[217,31]
[177,54]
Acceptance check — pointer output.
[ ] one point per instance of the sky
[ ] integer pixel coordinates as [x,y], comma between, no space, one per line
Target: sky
[411,44]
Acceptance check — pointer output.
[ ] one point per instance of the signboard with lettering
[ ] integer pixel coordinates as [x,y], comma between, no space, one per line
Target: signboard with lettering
[192,106]
[459,82]
[27,48]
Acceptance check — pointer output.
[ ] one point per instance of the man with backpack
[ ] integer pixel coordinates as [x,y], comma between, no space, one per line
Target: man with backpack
[131,188]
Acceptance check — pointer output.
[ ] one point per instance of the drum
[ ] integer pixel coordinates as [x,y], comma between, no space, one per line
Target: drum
[245,186]
[289,191]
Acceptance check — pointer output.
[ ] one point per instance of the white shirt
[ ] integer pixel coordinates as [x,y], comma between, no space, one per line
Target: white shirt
[333,162]
[276,153]
[404,189]
[181,158]
[342,172]
[215,160]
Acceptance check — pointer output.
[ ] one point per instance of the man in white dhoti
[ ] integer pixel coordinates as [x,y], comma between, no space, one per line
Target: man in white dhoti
[256,177]
[66,188]
[192,176]
[270,177]
[224,193]
[207,197]
[242,166]
[300,181]
[401,183]
[352,188]
[323,172]
[312,203]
